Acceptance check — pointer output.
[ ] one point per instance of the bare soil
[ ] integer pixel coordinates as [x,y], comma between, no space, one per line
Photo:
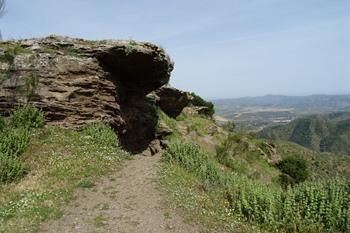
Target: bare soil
[127,201]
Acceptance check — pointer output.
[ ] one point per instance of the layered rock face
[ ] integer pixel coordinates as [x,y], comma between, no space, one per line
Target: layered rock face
[78,81]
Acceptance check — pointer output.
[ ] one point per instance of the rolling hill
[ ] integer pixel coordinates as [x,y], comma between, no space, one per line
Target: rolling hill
[324,133]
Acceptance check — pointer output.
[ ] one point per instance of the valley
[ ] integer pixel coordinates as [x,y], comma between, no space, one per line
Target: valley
[255,113]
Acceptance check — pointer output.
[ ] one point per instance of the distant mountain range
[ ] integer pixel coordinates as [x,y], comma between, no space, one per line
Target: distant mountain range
[324,133]
[312,102]
[256,113]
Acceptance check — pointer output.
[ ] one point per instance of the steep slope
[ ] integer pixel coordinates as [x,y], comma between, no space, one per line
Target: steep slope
[232,182]
[321,133]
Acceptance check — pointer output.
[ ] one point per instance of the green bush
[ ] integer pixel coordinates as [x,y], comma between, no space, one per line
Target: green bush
[102,134]
[199,101]
[294,170]
[11,169]
[14,141]
[27,117]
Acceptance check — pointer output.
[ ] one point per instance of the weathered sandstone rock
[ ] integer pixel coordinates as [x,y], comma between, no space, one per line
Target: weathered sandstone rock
[171,100]
[79,81]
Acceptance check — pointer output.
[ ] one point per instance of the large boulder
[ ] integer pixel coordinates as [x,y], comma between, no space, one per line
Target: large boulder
[171,100]
[77,81]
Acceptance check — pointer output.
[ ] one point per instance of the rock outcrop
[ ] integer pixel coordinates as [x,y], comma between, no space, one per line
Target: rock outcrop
[79,81]
[171,100]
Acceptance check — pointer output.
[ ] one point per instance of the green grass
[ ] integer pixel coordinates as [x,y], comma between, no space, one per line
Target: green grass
[248,156]
[206,208]
[86,184]
[196,124]
[57,162]
[310,207]
[99,221]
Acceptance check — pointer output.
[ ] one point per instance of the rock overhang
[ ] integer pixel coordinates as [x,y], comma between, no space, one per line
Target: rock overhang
[82,81]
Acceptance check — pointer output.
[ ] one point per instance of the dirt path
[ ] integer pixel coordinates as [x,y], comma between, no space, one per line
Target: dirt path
[127,201]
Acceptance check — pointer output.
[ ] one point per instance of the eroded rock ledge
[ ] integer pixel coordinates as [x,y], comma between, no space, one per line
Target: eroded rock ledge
[78,81]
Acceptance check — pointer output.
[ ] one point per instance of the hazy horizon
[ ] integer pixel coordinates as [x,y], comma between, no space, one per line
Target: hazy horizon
[253,96]
[221,49]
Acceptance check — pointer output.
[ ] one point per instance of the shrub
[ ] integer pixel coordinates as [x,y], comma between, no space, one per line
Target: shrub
[11,169]
[27,117]
[102,134]
[14,141]
[199,101]
[294,170]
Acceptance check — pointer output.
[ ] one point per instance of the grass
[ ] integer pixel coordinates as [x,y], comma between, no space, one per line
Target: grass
[310,207]
[99,221]
[237,189]
[57,162]
[207,209]
[86,184]
[197,124]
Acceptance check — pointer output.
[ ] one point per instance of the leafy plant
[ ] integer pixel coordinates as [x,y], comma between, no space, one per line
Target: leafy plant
[11,168]
[14,139]
[27,117]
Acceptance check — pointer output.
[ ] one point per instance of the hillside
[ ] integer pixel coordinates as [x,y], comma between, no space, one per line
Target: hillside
[255,113]
[93,139]
[325,133]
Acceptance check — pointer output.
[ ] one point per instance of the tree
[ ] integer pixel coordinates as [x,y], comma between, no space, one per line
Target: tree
[294,170]
[2,11]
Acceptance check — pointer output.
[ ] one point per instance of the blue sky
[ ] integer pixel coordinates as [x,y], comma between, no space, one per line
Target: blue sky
[222,48]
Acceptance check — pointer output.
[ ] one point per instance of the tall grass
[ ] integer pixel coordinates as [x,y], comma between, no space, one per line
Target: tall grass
[322,206]
[14,139]
[192,158]
[102,134]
